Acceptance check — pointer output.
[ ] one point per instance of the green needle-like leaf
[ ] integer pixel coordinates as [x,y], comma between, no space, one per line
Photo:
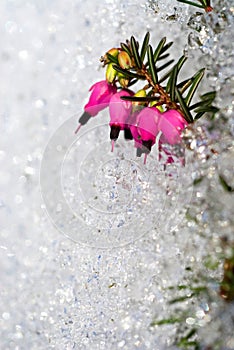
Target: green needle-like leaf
[171,320]
[173,80]
[125,47]
[206,109]
[152,66]
[191,3]
[204,2]
[190,333]
[165,76]
[127,73]
[159,48]
[179,65]
[200,104]
[135,52]
[225,185]
[181,299]
[112,58]
[162,57]
[134,81]
[199,115]
[184,85]
[164,65]
[194,85]
[145,46]
[166,47]
[140,99]
[184,107]
[209,95]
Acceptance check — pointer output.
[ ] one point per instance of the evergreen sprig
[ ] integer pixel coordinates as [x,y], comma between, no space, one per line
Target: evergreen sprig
[165,88]
[197,289]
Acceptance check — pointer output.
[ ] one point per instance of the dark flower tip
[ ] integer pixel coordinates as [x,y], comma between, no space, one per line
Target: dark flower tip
[84,118]
[128,134]
[114,133]
[147,145]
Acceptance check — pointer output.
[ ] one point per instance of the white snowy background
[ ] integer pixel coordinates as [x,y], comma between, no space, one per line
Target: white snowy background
[55,293]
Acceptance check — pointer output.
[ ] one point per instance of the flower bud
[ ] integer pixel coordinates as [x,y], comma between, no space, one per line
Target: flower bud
[124,60]
[113,52]
[136,105]
[140,93]
[110,73]
[123,80]
[160,108]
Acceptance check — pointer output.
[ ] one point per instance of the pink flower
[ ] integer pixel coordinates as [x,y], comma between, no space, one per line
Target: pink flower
[148,120]
[171,124]
[100,97]
[144,129]
[119,113]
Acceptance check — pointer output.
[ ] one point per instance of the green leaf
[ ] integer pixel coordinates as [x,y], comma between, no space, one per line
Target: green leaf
[191,3]
[225,184]
[204,2]
[203,103]
[127,73]
[134,81]
[209,96]
[164,65]
[145,46]
[181,62]
[166,47]
[207,109]
[183,83]
[171,320]
[126,48]
[159,48]
[184,107]
[112,58]
[179,65]
[196,81]
[181,299]
[164,77]
[163,56]
[191,333]
[135,52]
[140,99]
[199,115]
[199,289]
[152,66]
[173,80]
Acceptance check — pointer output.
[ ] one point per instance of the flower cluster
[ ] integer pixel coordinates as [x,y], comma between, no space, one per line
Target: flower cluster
[156,110]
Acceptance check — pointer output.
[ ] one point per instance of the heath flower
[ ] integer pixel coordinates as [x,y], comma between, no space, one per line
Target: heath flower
[119,113]
[171,124]
[101,93]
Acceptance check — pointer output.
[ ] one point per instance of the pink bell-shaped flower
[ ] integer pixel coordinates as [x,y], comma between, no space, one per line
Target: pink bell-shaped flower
[171,124]
[119,113]
[100,97]
[101,93]
[144,129]
[148,120]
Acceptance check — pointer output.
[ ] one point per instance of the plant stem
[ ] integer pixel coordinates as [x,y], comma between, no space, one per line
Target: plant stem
[157,89]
